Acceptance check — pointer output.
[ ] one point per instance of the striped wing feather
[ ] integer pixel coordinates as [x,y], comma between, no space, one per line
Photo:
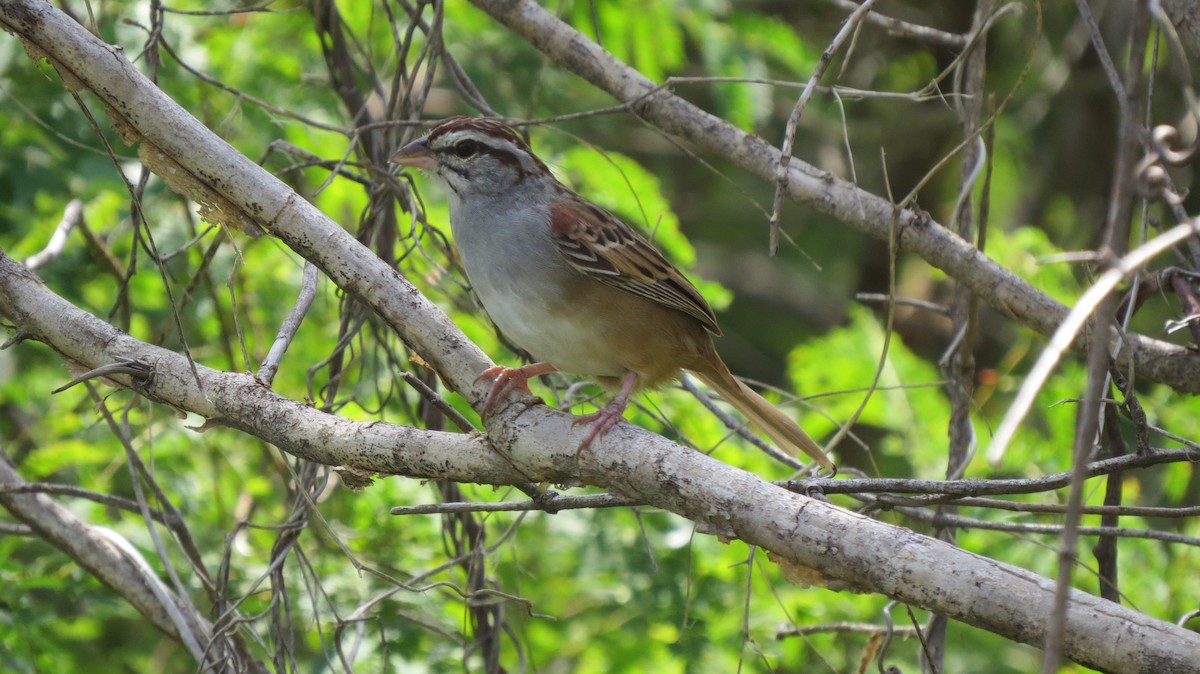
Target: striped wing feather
[598,244]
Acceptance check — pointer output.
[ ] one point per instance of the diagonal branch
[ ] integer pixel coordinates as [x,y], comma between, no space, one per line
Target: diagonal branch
[113,562]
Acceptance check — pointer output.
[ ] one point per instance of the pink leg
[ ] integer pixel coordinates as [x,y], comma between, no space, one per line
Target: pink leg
[509,378]
[607,417]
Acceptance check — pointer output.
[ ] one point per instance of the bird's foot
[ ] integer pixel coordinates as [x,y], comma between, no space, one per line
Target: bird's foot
[601,423]
[603,420]
[509,378]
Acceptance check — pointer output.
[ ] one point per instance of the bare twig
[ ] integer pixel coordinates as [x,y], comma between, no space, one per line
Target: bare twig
[589,501]
[789,135]
[966,492]
[72,215]
[1047,529]
[786,631]
[287,329]
[907,29]
[1097,38]
[957,364]
[881,298]
[1069,328]
[1105,550]
[1182,286]
[138,372]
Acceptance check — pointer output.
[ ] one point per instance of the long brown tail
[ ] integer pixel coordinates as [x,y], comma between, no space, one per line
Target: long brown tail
[777,425]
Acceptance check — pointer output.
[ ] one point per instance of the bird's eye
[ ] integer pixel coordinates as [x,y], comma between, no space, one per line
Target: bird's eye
[466,148]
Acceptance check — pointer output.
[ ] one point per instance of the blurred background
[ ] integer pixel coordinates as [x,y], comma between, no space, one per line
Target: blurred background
[320,93]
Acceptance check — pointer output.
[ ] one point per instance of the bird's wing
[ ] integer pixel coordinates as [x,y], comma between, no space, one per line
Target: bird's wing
[598,244]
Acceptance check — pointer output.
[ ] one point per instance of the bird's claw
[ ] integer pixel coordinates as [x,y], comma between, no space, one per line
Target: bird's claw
[509,378]
[506,379]
[602,422]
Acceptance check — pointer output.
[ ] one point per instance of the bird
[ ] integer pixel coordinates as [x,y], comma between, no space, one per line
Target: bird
[573,285]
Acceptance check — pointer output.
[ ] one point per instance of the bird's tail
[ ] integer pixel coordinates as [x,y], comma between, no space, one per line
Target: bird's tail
[770,420]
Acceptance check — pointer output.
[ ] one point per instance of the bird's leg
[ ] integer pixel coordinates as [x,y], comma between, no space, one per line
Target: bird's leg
[609,415]
[509,378]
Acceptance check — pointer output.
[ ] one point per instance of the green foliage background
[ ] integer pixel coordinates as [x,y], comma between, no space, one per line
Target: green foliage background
[617,590]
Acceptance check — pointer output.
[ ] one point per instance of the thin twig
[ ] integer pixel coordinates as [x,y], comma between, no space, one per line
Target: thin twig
[560,503]
[967,490]
[1070,326]
[1046,529]
[1097,38]
[72,215]
[914,31]
[786,631]
[789,134]
[880,298]
[291,324]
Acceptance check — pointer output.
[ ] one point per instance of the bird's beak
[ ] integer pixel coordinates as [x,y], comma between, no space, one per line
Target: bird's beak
[416,154]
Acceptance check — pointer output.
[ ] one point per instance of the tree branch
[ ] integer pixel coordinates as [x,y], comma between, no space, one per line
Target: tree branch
[239,400]
[103,555]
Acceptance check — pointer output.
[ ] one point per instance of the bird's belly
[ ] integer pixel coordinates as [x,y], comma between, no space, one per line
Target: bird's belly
[579,325]
[551,333]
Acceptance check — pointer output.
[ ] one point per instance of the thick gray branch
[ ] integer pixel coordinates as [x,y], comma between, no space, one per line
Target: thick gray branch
[239,400]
